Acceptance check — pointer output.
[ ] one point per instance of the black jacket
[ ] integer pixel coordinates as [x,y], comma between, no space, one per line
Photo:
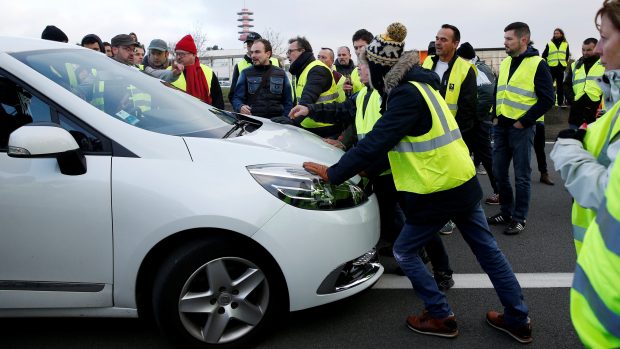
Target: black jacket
[319,79]
[406,113]
[235,77]
[345,69]
[543,87]
[468,96]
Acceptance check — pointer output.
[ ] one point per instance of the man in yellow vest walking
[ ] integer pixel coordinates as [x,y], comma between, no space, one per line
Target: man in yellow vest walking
[557,54]
[436,178]
[581,87]
[524,93]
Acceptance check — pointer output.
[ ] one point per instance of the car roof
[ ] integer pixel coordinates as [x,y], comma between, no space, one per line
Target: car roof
[10,44]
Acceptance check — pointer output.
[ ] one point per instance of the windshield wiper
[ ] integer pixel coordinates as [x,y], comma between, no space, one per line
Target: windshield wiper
[239,124]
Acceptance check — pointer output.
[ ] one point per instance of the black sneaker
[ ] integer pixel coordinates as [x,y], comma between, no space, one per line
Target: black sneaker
[444,280]
[498,219]
[514,228]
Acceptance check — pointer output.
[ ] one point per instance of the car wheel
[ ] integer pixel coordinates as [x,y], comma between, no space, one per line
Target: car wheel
[218,295]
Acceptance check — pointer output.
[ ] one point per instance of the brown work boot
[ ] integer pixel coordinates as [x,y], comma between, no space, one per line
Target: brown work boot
[425,324]
[544,178]
[522,333]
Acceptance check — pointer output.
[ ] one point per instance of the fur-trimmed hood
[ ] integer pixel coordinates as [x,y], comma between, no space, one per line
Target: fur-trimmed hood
[408,69]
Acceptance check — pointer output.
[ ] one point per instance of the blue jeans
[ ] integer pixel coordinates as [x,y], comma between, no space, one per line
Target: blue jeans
[513,144]
[473,226]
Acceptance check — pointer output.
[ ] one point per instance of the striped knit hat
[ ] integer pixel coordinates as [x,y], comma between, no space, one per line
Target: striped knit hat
[386,49]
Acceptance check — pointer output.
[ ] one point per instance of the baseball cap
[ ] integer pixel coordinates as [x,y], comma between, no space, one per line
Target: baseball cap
[252,36]
[159,45]
[123,40]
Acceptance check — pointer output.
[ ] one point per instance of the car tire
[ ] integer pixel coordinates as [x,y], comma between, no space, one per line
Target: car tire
[218,294]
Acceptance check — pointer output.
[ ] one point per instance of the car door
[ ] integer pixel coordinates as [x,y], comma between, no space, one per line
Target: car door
[55,229]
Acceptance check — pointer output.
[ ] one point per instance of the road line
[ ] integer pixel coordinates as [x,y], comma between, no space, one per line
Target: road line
[527,280]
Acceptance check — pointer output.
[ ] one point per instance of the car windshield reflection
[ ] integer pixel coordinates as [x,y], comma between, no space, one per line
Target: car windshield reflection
[125,93]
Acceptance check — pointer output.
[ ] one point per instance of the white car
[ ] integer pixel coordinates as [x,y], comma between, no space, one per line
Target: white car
[121,196]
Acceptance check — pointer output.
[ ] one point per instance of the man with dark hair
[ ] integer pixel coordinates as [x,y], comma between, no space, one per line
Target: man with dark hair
[361,39]
[246,62]
[262,89]
[93,42]
[524,93]
[108,49]
[158,55]
[313,82]
[458,87]
[580,88]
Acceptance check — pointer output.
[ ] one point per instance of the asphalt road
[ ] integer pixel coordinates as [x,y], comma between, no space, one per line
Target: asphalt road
[376,317]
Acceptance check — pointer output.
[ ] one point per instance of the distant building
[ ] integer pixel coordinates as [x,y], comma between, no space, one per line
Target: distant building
[223,62]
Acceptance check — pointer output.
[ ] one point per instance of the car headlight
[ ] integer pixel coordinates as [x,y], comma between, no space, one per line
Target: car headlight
[296,186]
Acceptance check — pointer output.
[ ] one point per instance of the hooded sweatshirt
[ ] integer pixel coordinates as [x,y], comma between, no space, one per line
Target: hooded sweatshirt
[407,114]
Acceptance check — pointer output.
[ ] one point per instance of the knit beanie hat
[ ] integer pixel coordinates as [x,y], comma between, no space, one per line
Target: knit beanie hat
[51,32]
[466,51]
[386,49]
[186,44]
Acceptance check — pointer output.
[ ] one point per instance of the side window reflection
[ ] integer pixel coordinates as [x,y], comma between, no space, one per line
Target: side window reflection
[87,141]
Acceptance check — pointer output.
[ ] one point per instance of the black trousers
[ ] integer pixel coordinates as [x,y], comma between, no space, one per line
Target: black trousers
[478,141]
[539,147]
[557,73]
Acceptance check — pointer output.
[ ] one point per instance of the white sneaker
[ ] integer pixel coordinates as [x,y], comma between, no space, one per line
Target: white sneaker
[448,228]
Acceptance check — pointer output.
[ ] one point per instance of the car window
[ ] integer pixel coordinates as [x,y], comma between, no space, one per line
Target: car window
[18,107]
[127,94]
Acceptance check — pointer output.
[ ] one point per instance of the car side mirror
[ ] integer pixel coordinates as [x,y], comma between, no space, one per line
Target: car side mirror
[48,140]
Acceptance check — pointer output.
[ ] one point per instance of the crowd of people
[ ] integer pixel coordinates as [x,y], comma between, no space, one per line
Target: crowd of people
[418,131]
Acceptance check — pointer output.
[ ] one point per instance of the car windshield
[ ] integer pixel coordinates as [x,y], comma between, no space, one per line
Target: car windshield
[128,94]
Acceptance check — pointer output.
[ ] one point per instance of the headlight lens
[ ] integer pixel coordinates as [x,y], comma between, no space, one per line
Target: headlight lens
[296,186]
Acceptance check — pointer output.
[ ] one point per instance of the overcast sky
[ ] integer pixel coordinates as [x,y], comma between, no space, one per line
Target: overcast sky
[324,23]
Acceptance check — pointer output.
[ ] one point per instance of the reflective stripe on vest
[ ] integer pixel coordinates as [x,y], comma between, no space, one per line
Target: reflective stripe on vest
[458,73]
[182,84]
[515,97]
[436,161]
[586,83]
[595,297]
[596,141]
[365,119]
[557,56]
[328,96]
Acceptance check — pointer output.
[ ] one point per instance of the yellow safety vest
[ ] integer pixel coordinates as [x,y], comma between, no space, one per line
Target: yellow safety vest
[459,71]
[557,56]
[365,119]
[595,295]
[182,84]
[586,83]
[357,83]
[436,161]
[329,96]
[515,97]
[596,141]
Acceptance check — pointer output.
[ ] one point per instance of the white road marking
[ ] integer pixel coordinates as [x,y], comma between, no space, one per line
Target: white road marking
[527,280]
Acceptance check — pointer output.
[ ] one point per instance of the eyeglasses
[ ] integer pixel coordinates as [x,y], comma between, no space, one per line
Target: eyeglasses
[291,50]
[181,54]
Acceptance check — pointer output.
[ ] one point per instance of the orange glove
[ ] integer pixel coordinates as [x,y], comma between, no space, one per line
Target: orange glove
[317,169]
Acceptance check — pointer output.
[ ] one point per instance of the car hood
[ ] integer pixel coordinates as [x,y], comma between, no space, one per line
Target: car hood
[271,143]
